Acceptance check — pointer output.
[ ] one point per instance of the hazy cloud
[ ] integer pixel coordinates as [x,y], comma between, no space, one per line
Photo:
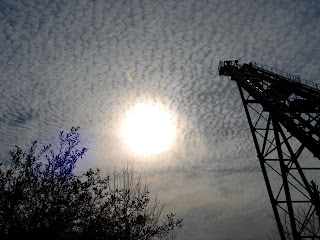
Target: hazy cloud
[68,63]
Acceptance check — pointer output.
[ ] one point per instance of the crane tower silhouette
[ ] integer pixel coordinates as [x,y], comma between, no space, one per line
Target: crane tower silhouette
[283,113]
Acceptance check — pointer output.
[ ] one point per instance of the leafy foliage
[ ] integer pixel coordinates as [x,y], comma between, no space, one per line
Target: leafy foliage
[42,198]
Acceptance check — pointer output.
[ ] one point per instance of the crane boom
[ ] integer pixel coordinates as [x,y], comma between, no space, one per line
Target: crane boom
[283,113]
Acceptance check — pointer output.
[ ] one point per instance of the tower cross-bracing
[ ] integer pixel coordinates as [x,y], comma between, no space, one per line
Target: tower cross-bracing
[283,113]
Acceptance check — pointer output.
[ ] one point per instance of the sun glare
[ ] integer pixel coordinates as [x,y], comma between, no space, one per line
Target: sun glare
[148,129]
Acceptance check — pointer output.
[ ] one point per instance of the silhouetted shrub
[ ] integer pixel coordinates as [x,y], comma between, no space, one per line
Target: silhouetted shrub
[42,198]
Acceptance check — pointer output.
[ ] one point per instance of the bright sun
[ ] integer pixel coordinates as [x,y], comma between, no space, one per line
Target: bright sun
[148,129]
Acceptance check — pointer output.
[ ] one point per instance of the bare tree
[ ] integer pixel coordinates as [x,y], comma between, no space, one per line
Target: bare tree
[41,197]
[304,215]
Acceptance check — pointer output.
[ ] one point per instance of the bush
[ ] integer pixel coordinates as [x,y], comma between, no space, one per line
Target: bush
[42,198]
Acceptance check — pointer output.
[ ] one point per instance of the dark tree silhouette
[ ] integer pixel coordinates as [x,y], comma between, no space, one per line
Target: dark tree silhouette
[312,227]
[42,198]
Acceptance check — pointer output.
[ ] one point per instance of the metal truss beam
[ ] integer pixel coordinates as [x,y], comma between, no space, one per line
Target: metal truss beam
[280,135]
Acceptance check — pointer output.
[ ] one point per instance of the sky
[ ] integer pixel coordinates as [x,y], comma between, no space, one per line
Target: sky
[87,63]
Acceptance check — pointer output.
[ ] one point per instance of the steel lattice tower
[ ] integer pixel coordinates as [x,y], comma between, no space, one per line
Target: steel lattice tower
[283,113]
